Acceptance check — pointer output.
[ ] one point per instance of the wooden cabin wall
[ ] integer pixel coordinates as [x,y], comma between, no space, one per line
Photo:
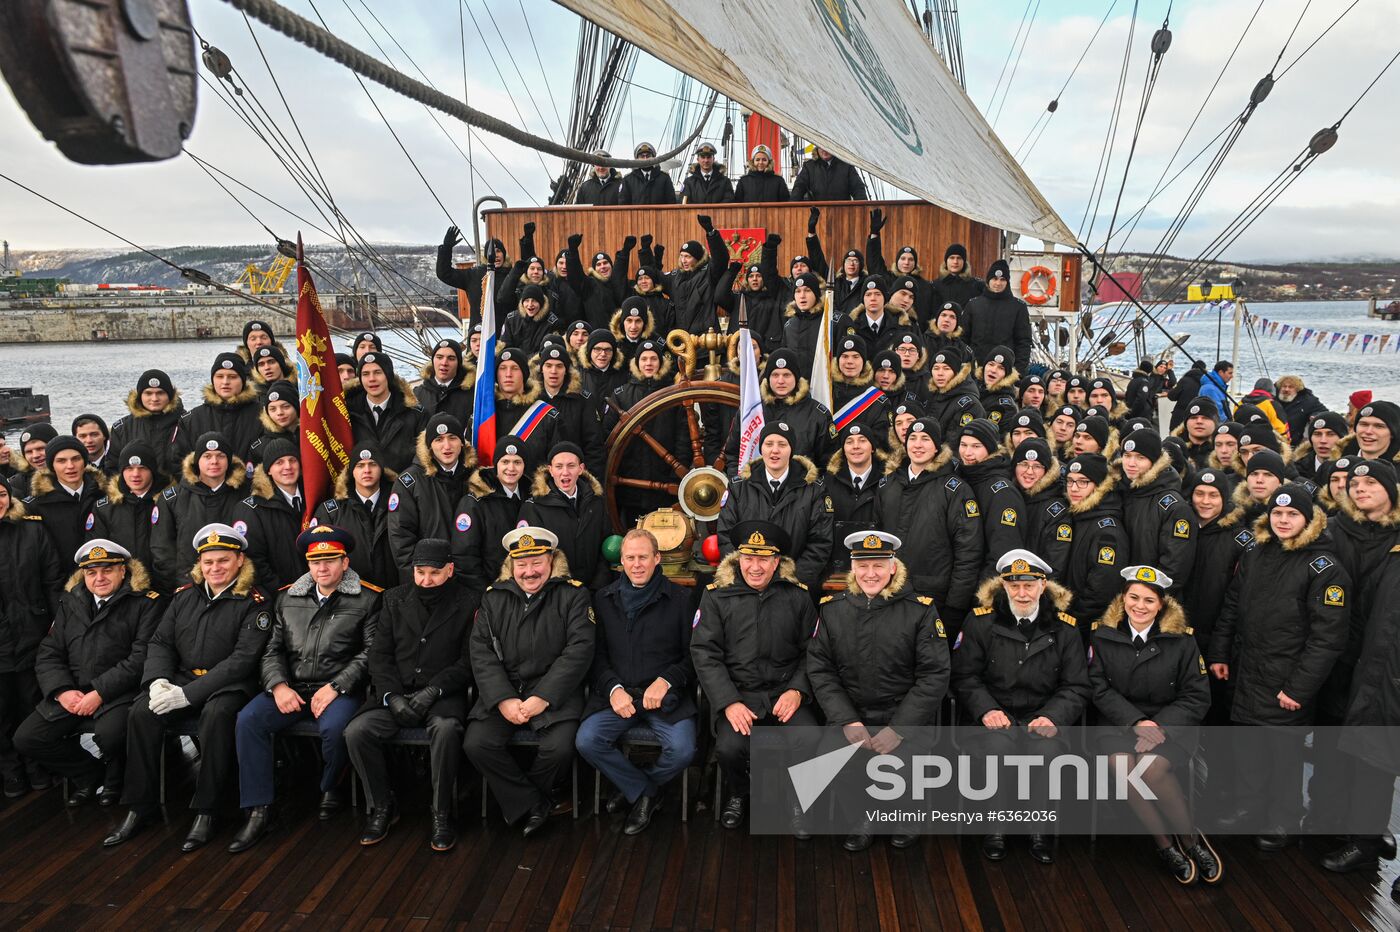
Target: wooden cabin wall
[844,225]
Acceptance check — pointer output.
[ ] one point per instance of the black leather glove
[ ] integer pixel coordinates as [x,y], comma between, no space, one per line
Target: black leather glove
[813,216]
[452,237]
[877,221]
[575,239]
[706,223]
[405,716]
[774,239]
[657,252]
[530,228]
[423,700]
[629,243]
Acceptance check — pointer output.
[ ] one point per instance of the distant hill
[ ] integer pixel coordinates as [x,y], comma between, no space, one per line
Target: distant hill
[1292,281]
[334,269]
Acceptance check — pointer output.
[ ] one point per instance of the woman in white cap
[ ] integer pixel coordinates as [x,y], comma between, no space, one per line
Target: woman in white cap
[1149,680]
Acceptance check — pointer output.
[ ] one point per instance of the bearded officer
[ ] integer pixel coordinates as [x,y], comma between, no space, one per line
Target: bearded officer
[878,662]
[749,649]
[1019,669]
[89,669]
[531,649]
[201,668]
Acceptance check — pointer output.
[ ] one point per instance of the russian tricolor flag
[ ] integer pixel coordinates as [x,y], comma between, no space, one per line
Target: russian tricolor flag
[484,405]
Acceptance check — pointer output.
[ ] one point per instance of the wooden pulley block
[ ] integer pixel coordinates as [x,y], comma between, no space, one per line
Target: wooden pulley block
[107,81]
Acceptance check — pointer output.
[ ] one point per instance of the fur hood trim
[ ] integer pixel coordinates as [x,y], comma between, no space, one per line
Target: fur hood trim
[236,476]
[1096,498]
[465,376]
[932,330]
[1389,520]
[349,584]
[862,380]
[15,512]
[1264,534]
[133,404]
[136,577]
[528,396]
[965,274]
[1232,517]
[961,376]
[1171,619]
[214,399]
[558,567]
[799,394]
[1002,384]
[987,592]
[572,386]
[615,325]
[728,572]
[898,581]
[423,455]
[663,374]
[880,463]
[269,425]
[241,586]
[540,486]
[1161,465]
[1047,481]
[585,364]
[345,481]
[809,475]
[45,482]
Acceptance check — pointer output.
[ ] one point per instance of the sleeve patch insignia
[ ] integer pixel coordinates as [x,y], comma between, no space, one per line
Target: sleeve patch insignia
[407,481]
[1008,517]
[1107,556]
[1167,501]
[1182,529]
[942,632]
[1244,538]
[1001,485]
[952,484]
[966,419]
[264,621]
[1201,661]
[1064,532]
[1321,564]
[970,507]
[1055,509]
[1107,522]
[695,622]
[1334,596]
[394,501]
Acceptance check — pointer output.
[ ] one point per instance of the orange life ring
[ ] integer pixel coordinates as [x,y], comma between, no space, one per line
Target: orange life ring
[1030,275]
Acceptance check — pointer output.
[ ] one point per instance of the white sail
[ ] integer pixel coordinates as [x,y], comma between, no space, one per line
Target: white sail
[856,76]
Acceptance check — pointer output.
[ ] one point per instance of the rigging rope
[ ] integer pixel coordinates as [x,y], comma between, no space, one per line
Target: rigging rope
[1110,134]
[1025,41]
[1054,105]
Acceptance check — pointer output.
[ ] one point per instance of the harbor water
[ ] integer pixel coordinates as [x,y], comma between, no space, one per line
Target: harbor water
[96,377]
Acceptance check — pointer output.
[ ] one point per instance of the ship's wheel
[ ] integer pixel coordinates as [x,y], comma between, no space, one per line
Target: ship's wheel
[699,484]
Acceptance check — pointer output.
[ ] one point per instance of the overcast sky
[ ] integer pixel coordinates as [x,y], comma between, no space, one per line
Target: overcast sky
[1347,205]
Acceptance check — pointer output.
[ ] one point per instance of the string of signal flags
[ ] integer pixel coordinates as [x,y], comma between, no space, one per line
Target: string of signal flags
[1337,341]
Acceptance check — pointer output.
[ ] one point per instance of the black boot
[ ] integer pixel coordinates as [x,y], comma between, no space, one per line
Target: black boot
[1350,857]
[39,778]
[15,784]
[201,830]
[1208,866]
[732,815]
[1043,848]
[640,817]
[84,789]
[133,823]
[1274,839]
[378,821]
[109,795]
[258,824]
[616,802]
[797,821]
[332,801]
[444,836]
[860,839]
[1182,868]
[537,817]
[994,847]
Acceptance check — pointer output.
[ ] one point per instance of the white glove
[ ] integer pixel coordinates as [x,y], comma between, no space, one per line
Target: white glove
[157,691]
[170,700]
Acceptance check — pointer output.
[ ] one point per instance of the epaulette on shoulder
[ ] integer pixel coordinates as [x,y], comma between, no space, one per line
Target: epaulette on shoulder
[924,599]
[1068,619]
[826,599]
[286,587]
[491,588]
[371,586]
[983,610]
[821,407]
[184,587]
[802,585]
[331,506]
[152,594]
[711,586]
[33,517]
[29,500]
[258,597]
[575,582]
[1094,626]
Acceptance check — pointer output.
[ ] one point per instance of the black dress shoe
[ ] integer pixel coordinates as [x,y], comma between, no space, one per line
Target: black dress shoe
[15,785]
[1350,857]
[83,792]
[39,779]
[859,840]
[732,815]
[797,822]
[201,830]
[903,840]
[378,821]
[1273,839]
[1182,868]
[109,795]
[444,836]
[1387,848]
[133,823]
[617,801]
[640,816]
[332,801]
[1208,865]
[993,847]
[1240,818]
[536,818]
[1043,848]
[258,824]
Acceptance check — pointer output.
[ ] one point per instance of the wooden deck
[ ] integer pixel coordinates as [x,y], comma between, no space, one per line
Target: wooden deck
[54,874]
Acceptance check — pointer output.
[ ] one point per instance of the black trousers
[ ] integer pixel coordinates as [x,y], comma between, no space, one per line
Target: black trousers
[213,726]
[19,694]
[732,748]
[54,744]
[1003,742]
[1368,799]
[1270,775]
[366,736]
[518,790]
